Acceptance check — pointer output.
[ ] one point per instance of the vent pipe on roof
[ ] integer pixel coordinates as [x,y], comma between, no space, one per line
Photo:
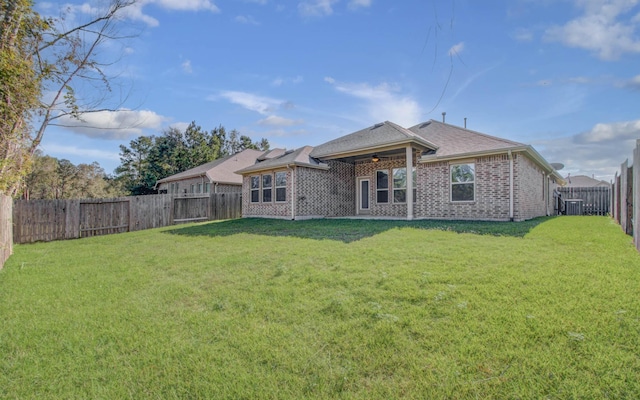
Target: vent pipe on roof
[443,115]
[465,122]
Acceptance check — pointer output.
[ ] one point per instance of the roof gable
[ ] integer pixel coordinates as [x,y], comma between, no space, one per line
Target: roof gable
[452,140]
[379,135]
[221,170]
[299,157]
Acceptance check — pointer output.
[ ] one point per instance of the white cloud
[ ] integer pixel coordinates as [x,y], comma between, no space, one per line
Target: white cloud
[633,83]
[274,120]
[605,28]
[186,67]
[248,19]
[135,11]
[316,8]
[382,102]
[456,49]
[523,35]
[116,125]
[279,81]
[54,148]
[353,4]
[598,151]
[259,104]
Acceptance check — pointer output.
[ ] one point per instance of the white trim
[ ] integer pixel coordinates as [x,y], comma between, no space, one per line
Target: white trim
[451,183]
[276,187]
[359,209]
[410,183]
[511,186]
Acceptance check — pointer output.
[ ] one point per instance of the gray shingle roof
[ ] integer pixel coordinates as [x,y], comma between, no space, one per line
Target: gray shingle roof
[220,170]
[299,157]
[584,181]
[452,140]
[378,135]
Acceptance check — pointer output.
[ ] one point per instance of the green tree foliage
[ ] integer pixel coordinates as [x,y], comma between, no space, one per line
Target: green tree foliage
[150,158]
[43,55]
[52,178]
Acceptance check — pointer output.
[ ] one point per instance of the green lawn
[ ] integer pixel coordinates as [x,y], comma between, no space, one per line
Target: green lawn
[548,308]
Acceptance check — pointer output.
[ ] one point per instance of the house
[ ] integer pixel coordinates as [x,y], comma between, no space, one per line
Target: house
[217,176]
[430,171]
[584,181]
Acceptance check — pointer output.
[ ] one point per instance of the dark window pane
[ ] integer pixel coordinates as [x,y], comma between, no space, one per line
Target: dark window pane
[400,196]
[255,182]
[382,196]
[255,196]
[399,178]
[281,194]
[281,179]
[382,179]
[266,195]
[462,192]
[463,173]
[266,181]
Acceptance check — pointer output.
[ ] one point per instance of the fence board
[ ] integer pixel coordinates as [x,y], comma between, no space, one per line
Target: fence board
[6,234]
[595,200]
[47,220]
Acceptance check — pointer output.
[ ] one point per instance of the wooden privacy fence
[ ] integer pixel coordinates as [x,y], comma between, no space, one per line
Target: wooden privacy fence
[47,220]
[594,200]
[6,234]
[625,196]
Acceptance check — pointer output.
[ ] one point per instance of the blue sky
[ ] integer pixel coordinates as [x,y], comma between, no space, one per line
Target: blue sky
[561,75]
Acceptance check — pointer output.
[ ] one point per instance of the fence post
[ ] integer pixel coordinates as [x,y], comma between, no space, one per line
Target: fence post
[636,195]
[6,228]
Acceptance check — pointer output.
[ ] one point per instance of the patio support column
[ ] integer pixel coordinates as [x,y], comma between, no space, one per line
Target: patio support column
[409,183]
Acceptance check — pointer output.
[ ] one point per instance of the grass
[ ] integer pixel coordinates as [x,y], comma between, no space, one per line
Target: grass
[330,309]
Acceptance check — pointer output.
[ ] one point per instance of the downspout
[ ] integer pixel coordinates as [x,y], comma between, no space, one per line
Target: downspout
[293,192]
[510,186]
[215,187]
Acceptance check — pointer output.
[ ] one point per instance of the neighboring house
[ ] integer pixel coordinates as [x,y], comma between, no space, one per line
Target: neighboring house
[217,176]
[584,181]
[455,173]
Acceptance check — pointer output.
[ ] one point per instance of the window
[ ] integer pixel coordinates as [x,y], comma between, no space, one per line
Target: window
[462,182]
[399,185]
[199,187]
[255,189]
[382,186]
[281,186]
[207,187]
[266,188]
[177,188]
[171,187]
[193,187]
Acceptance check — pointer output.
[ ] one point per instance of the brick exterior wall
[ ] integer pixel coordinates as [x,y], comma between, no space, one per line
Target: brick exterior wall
[332,193]
[529,200]
[271,209]
[186,184]
[491,191]
[389,209]
[326,193]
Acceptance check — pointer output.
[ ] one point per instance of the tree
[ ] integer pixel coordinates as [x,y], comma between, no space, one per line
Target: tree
[150,158]
[52,178]
[39,55]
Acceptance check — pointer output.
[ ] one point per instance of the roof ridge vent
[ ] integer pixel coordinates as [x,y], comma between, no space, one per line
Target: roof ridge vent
[378,125]
[288,152]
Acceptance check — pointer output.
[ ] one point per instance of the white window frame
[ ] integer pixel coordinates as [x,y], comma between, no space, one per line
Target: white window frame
[265,188]
[452,183]
[256,189]
[207,187]
[378,189]
[280,187]
[394,188]
[199,187]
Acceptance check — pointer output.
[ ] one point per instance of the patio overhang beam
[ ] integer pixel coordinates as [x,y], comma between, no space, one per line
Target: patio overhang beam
[398,146]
